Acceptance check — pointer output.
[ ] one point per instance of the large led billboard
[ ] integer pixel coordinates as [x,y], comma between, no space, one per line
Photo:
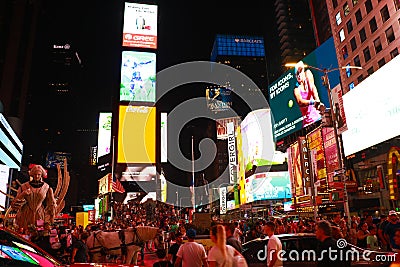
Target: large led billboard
[257,140]
[140,26]
[219,99]
[10,145]
[372,115]
[136,134]
[4,178]
[104,135]
[268,186]
[138,173]
[138,77]
[290,112]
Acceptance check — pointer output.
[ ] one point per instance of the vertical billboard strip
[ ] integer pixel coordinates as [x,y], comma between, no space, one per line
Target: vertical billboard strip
[222,200]
[164,137]
[338,109]
[240,166]
[232,153]
[138,77]
[331,153]
[296,173]
[305,162]
[4,178]
[140,26]
[104,135]
[136,134]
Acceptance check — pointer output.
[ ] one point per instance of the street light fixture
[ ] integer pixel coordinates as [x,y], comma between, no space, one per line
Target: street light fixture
[338,148]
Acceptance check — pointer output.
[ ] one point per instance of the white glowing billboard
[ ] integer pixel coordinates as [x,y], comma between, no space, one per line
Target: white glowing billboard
[104,135]
[164,137]
[4,178]
[140,26]
[258,144]
[373,109]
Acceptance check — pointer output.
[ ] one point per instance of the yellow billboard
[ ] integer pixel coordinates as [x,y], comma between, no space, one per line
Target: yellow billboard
[137,134]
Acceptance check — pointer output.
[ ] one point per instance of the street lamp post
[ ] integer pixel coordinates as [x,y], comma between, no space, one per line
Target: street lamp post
[336,136]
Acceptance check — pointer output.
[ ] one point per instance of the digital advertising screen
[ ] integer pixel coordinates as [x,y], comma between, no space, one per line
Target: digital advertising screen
[290,100]
[372,116]
[4,178]
[221,124]
[268,186]
[54,158]
[219,99]
[258,144]
[104,135]
[138,77]
[144,173]
[136,134]
[140,26]
[164,137]
[11,154]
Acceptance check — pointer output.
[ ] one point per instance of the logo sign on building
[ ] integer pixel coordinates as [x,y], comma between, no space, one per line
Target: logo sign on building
[238,45]
[232,153]
[305,162]
[222,131]
[140,25]
[222,200]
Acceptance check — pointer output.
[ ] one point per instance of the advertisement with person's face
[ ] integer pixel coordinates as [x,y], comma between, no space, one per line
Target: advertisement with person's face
[140,26]
[298,97]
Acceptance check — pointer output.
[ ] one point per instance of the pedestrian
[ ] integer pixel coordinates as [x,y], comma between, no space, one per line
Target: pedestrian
[162,261]
[191,253]
[80,251]
[390,230]
[327,246]
[230,239]
[274,246]
[173,250]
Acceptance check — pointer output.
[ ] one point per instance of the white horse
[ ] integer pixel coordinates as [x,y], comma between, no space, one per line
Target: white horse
[126,243]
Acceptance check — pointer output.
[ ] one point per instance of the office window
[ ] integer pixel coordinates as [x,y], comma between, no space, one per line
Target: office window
[358,16]
[378,45]
[349,26]
[355,2]
[348,71]
[389,35]
[367,54]
[385,13]
[351,85]
[381,62]
[360,78]
[372,25]
[338,18]
[357,61]
[353,44]
[363,36]
[346,9]
[342,35]
[394,53]
[334,3]
[370,71]
[344,52]
[368,6]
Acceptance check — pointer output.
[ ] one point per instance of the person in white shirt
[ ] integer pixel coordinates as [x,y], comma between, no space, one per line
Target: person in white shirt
[274,246]
[191,254]
[237,233]
[220,254]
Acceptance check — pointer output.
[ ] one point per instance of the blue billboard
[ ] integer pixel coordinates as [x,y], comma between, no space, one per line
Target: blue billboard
[238,45]
[295,97]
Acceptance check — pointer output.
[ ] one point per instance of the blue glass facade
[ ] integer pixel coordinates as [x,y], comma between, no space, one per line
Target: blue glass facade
[238,45]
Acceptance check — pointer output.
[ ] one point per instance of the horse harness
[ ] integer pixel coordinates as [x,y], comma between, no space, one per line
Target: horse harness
[121,234]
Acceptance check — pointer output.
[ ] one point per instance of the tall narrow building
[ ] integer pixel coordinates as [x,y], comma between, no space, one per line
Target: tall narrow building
[295,29]
[320,20]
